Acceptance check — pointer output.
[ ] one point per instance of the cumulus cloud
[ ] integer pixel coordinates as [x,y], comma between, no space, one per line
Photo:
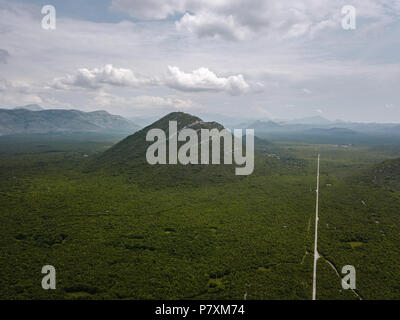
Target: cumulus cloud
[198,80]
[208,24]
[4,55]
[205,80]
[98,77]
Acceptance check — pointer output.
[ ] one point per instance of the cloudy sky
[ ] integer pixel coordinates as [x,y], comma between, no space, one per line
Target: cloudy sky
[241,58]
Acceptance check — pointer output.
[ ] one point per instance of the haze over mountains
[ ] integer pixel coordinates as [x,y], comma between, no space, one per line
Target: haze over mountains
[306,124]
[318,126]
[34,119]
[30,107]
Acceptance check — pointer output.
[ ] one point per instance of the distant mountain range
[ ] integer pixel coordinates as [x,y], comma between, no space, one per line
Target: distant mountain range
[319,125]
[33,119]
[317,120]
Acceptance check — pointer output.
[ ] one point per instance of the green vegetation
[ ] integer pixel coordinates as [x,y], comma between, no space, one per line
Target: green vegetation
[116,228]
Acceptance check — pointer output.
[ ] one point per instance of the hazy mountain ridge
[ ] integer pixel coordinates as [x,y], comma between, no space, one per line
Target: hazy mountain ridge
[33,119]
[317,120]
[30,107]
[319,125]
[23,121]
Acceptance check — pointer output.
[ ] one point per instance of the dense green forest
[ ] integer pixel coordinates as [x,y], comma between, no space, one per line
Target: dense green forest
[141,232]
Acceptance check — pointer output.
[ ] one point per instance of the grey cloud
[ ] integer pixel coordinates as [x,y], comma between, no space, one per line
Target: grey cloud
[4,55]
[149,9]
[212,25]
[346,80]
[241,19]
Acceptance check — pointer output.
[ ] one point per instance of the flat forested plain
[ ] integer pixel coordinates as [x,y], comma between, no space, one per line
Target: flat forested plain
[122,235]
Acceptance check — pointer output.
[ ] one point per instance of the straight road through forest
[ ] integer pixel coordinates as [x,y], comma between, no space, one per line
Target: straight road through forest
[316,255]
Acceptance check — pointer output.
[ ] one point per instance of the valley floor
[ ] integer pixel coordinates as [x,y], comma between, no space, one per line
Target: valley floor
[113,237]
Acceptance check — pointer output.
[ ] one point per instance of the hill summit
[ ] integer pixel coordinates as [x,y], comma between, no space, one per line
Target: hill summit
[133,147]
[129,157]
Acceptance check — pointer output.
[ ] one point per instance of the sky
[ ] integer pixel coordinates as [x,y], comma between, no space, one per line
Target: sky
[258,59]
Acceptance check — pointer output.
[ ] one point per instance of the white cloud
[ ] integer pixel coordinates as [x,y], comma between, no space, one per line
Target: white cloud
[142,104]
[4,55]
[143,101]
[16,93]
[98,77]
[389,106]
[208,24]
[199,80]
[203,79]
[150,9]
[294,45]
[238,19]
